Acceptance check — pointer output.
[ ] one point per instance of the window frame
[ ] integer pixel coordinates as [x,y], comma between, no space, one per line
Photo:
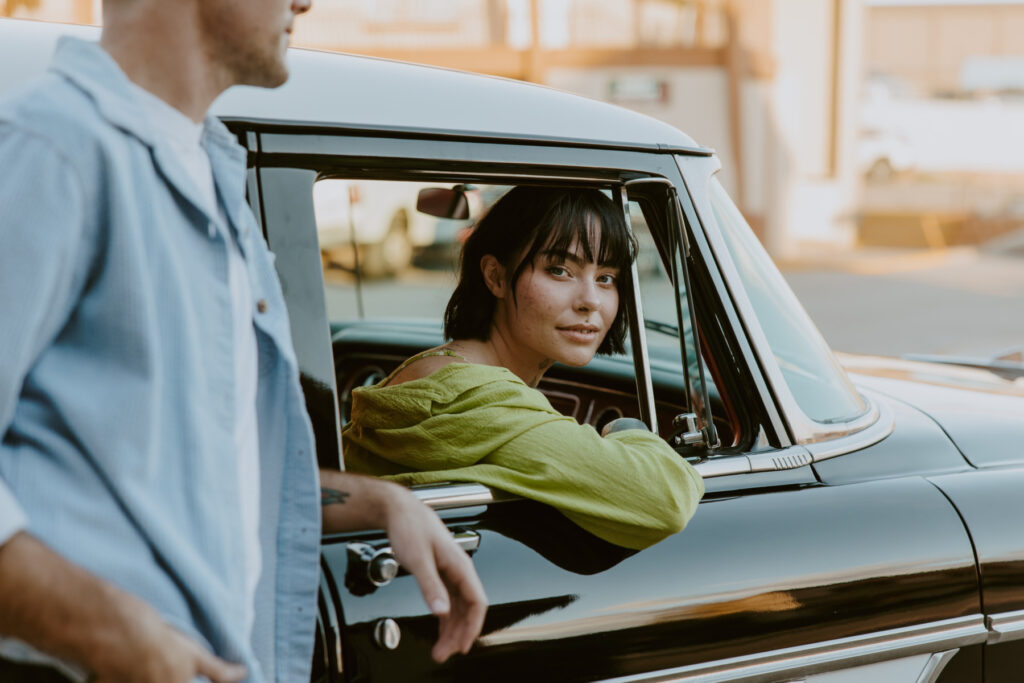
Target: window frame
[321,151]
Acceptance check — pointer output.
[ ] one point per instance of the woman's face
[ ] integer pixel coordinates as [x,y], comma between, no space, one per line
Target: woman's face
[563,307]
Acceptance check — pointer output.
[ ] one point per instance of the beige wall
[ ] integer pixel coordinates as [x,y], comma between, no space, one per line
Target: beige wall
[926,45]
[792,93]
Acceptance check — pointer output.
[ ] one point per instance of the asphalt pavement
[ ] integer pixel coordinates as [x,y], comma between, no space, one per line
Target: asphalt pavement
[960,301]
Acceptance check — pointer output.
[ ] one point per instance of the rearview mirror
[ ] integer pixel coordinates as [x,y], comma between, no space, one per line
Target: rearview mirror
[444,203]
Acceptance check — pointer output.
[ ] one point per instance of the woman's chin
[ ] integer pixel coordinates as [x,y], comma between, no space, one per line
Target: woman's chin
[578,359]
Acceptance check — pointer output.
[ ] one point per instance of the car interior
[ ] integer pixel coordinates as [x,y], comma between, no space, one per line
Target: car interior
[377,320]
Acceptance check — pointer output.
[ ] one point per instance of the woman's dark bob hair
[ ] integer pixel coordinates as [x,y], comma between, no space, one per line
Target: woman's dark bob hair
[529,220]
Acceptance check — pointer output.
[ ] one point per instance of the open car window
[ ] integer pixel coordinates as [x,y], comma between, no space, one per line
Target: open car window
[390,269]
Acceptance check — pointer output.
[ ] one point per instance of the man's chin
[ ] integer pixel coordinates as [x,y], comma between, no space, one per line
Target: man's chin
[270,78]
[264,74]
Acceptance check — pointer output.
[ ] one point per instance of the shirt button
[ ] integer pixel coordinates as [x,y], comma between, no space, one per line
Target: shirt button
[261,305]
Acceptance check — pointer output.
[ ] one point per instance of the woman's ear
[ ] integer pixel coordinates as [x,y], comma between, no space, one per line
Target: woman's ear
[494,275]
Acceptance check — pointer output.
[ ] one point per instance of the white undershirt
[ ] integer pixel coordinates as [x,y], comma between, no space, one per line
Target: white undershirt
[182,137]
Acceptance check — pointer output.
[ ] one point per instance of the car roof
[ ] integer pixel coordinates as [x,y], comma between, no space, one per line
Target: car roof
[357,92]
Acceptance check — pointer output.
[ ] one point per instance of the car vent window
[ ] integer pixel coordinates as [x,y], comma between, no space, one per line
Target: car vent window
[818,383]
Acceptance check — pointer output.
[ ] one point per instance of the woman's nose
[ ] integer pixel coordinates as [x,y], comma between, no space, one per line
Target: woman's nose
[587,297]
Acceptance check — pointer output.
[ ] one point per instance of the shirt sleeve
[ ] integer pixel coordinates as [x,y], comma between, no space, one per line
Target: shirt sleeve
[629,488]
[40,232]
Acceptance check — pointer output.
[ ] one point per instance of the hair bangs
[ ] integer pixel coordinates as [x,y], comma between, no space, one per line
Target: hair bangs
[583,224]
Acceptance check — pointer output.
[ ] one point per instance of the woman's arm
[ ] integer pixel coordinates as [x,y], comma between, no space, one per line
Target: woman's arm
[629,488]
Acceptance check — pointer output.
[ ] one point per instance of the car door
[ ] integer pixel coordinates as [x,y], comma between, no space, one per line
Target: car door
[777,577]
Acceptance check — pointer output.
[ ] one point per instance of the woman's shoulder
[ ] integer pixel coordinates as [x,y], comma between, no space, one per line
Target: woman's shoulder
[445,370]
[422,366]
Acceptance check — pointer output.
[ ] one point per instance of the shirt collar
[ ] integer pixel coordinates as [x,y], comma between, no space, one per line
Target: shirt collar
[92,69]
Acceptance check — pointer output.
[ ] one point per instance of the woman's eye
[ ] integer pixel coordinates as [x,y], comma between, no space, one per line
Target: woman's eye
[606,279]
[558,271]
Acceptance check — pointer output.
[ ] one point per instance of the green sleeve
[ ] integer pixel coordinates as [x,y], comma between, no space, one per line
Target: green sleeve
[629,488]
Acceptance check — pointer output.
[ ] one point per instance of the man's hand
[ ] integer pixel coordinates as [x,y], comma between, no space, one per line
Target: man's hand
[421,544]
[154,651]
[446,575]
[64,611]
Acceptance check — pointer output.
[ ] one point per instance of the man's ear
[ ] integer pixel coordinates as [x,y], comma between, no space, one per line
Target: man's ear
[494,275]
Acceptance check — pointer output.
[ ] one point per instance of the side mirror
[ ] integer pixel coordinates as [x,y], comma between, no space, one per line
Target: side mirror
[444,203]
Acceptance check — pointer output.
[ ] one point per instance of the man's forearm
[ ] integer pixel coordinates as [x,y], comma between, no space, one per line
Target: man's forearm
[352,501]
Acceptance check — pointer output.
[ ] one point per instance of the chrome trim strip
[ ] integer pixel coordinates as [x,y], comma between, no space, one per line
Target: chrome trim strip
[445,496]
[768,461]
[467,540]
[766,667]
[882,425]
[935,665]
[723,466]
[1005,627]
[775,461]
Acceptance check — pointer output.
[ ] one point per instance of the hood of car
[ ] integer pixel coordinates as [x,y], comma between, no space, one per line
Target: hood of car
[981,411]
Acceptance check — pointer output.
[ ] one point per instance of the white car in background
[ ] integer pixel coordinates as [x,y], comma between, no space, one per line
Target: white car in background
[882,154]
[372,223]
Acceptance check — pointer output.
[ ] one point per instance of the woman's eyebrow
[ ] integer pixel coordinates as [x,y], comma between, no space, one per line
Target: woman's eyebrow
[563,256]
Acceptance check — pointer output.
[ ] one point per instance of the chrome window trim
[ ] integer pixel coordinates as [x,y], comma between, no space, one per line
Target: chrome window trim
[460,494]
[936,664]
[1005,627]
[637,332]
[785,459]
[767,667]
[804,430]
[767,461]
[723,466]
[878,423]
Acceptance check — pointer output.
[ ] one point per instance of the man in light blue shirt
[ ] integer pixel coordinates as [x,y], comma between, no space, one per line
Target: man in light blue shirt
[159,504]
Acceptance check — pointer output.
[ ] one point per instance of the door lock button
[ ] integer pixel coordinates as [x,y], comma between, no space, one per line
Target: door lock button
[387,634]
[382,568]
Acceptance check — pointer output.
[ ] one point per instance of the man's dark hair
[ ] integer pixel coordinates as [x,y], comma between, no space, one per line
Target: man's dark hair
[531,220]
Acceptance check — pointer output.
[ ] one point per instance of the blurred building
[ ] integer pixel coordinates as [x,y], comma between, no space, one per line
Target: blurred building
[772,85]
[946,48]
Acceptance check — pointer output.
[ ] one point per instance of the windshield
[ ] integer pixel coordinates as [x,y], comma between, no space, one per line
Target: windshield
[818,384]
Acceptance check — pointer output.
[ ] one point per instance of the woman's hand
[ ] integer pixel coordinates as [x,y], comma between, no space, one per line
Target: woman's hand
[624,423]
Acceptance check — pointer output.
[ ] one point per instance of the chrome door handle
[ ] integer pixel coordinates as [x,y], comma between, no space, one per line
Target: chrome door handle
[376,566]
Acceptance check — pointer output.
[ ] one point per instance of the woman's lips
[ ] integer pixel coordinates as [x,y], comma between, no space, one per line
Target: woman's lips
[581,333]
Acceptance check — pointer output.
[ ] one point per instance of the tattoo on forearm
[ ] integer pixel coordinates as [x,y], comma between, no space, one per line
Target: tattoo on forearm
[332,496]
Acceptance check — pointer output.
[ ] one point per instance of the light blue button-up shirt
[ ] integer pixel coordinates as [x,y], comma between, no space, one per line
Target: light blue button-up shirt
[116,371]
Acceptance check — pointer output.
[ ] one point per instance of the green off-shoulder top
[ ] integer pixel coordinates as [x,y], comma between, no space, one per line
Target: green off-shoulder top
[481,423]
